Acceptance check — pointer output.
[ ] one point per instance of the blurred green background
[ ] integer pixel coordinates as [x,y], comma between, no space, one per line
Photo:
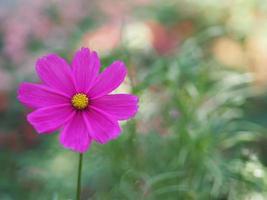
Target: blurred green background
[200,70]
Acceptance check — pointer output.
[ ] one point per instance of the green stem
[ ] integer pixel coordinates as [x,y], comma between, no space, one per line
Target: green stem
[78,192]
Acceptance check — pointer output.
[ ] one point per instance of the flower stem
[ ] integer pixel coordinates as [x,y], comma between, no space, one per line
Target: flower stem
[78,192]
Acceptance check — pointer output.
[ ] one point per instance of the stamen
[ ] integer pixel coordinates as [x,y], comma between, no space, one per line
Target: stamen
[80,101]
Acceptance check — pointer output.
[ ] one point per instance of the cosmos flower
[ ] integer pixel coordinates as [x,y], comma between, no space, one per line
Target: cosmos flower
[76,99]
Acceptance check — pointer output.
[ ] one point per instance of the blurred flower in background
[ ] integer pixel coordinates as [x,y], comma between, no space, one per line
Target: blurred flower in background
[200,68]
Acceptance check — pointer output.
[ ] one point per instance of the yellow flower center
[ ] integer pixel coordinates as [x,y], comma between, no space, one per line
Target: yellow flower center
[80,101]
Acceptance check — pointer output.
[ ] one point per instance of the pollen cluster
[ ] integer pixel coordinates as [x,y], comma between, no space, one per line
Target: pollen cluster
[80,101]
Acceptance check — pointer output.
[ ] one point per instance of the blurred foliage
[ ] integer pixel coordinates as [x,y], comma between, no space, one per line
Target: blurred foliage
[200,131]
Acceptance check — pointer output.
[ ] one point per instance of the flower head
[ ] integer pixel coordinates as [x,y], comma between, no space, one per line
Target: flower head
[76,99]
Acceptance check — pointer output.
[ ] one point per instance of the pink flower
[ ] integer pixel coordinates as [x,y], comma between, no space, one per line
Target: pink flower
[76,99]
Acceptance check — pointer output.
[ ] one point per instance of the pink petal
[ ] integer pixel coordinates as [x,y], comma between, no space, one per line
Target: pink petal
[75,135]
[108,80]
[49,119]
[37,96]
[56,73]
[102,127]
[121,106]
[86,67]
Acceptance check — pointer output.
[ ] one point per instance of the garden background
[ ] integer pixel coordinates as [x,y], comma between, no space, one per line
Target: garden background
[200,70]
